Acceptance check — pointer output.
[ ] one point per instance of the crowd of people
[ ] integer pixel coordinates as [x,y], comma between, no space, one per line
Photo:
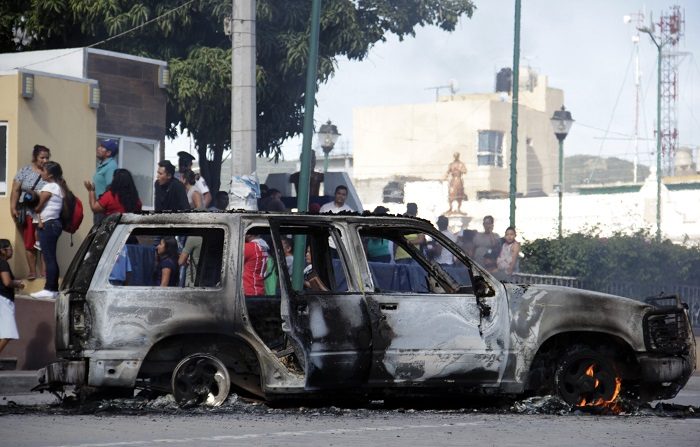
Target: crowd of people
[500,256]
[39,202]
[38,207]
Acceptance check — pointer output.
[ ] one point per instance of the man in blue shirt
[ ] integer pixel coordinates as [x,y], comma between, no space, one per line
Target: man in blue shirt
[106,165]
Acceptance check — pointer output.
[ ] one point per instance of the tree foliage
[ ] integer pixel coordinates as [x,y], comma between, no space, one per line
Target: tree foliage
[191,39]
[598,261]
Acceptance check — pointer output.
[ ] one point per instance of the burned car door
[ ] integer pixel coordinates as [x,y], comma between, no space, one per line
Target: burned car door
[327,320]
[139,291]
[428,327]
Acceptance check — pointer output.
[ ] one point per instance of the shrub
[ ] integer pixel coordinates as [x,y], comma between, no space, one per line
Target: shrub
[598,261]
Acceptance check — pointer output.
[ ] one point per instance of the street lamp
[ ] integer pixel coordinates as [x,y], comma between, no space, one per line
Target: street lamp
[327,135]
[561,122]
[659,46]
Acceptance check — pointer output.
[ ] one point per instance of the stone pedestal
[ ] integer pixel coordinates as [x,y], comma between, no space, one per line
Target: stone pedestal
[457,221]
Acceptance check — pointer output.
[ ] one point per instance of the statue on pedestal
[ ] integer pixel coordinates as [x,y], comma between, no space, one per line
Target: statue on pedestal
[455,171]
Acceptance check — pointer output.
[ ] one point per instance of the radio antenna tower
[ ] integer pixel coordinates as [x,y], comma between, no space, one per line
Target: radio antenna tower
[671,29]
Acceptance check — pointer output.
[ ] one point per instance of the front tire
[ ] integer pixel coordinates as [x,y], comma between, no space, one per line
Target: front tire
[586,376]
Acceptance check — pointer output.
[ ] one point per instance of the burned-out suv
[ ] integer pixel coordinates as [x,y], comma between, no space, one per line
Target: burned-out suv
[372,314]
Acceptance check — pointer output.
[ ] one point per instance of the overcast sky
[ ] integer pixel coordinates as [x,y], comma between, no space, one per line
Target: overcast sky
[584,48]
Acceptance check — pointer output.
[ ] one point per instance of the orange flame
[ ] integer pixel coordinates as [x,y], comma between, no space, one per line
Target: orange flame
[611,404]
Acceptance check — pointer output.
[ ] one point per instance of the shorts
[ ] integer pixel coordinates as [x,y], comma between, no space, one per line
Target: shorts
[8,325]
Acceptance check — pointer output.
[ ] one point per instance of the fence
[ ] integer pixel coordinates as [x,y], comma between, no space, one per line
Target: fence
[688,294]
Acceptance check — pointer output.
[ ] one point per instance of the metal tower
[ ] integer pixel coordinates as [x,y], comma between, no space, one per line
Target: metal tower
[671,29]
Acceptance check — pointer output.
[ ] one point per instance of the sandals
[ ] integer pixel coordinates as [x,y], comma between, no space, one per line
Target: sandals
[31,277]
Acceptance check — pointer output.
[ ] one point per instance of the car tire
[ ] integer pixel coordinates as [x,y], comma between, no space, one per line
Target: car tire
[200,379]
[585,375]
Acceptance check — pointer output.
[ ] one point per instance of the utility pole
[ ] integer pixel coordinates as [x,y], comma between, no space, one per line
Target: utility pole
[244,188]
[305,171]
[514,119]
[659,46]
[639,18]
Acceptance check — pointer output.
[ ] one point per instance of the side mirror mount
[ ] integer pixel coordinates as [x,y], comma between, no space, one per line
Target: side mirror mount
[482,288]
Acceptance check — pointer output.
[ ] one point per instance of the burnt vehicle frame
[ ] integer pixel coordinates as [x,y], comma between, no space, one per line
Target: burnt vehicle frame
[443,329]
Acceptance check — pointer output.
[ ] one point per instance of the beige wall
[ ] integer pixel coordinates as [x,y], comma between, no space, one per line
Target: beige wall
[8,114]
[9,92]
[57,117]
[417,141]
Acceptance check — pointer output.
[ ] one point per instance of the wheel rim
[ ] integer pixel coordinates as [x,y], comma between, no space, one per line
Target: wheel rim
[200,379]
[586,380]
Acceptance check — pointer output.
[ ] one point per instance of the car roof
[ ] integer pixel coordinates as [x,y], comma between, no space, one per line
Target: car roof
[192,216]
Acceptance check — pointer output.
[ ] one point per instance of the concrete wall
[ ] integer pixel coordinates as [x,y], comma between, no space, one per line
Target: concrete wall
[537,217]
[9,88]
[37,327]
[58,117]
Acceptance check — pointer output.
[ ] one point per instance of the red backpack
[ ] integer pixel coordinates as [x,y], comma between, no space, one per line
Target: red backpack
[71,213]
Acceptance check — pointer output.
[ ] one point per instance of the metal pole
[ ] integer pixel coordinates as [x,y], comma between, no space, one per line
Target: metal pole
[659,46]
[514,119]
[637,84]
[325,164]
[243,83]
[561,180]
[658,145]
[304,175]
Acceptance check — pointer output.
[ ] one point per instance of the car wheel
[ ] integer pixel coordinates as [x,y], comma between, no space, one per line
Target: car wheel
[200,379]
[586,377]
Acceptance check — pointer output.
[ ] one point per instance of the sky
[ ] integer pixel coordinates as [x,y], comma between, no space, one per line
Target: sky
[584,48]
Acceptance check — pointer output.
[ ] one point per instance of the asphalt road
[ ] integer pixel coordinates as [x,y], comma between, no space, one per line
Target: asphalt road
[160,423]
[348,429]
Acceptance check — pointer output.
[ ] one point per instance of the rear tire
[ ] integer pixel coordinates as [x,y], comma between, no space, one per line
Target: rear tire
[200,379]
[585,376]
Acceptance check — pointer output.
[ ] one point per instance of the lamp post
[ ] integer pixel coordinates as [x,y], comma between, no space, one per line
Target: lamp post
[327,135]
[659,46]
[561,122]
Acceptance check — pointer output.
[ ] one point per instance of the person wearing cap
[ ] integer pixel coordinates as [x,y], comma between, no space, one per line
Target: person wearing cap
[107,164]
[170,192]
[184,164]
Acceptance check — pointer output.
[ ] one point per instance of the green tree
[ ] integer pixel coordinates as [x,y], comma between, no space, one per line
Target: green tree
[634,259]
[191,39]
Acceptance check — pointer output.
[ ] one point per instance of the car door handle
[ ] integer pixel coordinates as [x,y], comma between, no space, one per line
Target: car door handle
[388,306]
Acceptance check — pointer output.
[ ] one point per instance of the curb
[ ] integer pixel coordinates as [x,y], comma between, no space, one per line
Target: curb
[17,382]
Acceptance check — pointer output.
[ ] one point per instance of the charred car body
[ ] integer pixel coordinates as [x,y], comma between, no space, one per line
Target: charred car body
[380,318]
